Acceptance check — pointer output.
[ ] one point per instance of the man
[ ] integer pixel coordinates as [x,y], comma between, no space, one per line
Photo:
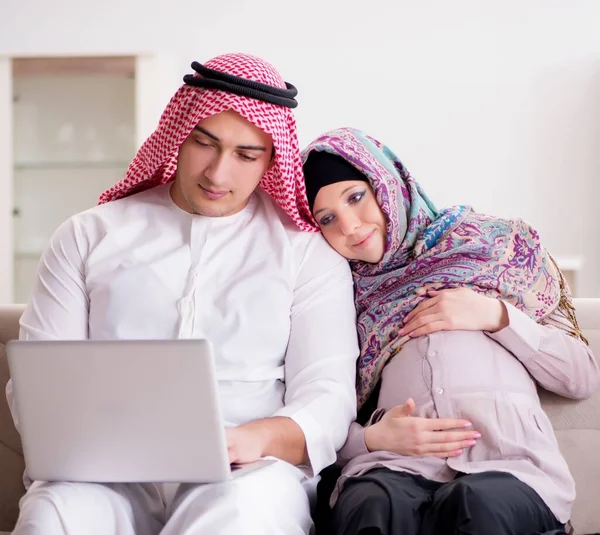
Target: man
[187,246]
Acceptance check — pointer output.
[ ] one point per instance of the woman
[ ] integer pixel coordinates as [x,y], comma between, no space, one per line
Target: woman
[462,314]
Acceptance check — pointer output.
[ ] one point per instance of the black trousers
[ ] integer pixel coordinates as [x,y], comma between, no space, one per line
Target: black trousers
[384,502]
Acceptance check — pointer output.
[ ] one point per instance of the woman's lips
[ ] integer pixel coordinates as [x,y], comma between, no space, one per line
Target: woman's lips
[364,242]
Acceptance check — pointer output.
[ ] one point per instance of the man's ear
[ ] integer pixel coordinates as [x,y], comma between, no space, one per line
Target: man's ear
[272,160]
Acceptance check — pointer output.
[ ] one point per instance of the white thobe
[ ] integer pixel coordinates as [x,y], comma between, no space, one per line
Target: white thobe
[277,305]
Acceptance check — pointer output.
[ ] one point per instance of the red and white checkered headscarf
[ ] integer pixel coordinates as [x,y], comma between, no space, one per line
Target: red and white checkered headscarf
[156,161]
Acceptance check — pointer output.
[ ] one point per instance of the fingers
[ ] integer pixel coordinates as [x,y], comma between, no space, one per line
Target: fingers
[435,297]
[445,424]
[407,409]
[423,305]
[230,433]
[446,291]
[431,438]
[446,449]
[434,325]
[410,405]
[441,426]
[421,319]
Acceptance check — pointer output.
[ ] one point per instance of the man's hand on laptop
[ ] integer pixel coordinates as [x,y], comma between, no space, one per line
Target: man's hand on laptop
[278,437]
[245,443]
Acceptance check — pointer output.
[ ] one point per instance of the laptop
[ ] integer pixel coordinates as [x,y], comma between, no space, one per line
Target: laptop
[121,411]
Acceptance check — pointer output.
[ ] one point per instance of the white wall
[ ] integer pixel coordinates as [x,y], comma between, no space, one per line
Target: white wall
[496,104]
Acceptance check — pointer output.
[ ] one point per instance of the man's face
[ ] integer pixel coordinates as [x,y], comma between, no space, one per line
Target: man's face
[220,164]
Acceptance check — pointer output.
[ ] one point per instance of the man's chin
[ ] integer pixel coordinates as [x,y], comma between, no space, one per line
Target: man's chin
[219,208]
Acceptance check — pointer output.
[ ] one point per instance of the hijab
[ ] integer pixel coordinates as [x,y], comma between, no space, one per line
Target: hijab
[430,249]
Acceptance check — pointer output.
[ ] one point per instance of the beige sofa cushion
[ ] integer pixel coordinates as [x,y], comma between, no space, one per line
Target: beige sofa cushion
[577,425]
[11,454]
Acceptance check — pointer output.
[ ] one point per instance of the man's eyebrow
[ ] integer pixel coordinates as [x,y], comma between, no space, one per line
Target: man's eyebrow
[206,133]
[252,147]
[215,138]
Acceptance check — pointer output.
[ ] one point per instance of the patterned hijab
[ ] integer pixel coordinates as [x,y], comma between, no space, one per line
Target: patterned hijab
[441,249]
[156,161]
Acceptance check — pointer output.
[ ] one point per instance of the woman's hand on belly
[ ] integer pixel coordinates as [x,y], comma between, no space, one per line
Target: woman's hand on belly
[459,309]
[399,432]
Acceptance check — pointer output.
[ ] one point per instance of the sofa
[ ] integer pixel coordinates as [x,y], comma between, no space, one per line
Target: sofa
[577,425]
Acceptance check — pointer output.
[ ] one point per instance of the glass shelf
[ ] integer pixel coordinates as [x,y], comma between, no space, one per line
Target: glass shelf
[44,166]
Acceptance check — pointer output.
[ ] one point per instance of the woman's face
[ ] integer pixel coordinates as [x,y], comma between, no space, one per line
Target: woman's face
[351,220]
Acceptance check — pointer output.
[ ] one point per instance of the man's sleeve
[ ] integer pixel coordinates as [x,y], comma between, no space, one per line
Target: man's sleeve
[58,304]
[320,364]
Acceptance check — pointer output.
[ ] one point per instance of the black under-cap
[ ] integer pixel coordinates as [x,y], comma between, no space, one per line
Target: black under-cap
[323,168]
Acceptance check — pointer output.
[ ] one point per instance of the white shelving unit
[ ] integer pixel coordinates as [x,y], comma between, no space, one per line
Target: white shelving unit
[68,129]
[74,135]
